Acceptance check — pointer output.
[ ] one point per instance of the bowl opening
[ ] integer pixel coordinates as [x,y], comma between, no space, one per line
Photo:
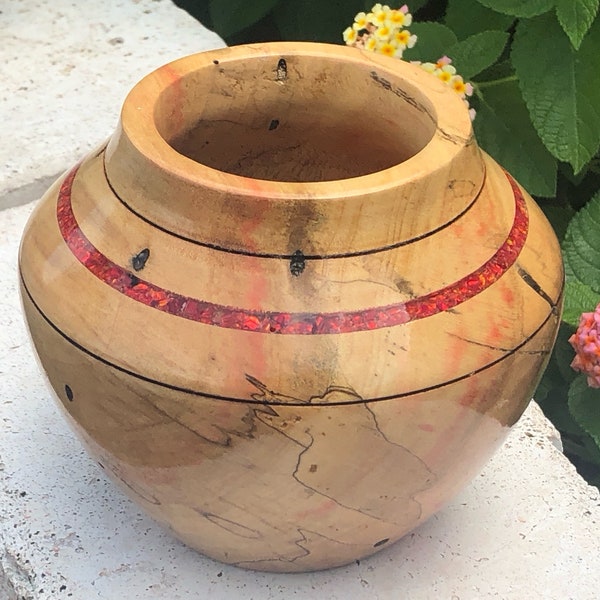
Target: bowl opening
[294,119]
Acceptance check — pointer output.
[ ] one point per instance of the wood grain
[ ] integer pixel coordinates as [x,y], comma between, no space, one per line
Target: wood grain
[291,179]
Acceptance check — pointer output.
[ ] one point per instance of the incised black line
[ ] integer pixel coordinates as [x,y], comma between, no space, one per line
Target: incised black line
[534,285]
[257,402]
[288,257]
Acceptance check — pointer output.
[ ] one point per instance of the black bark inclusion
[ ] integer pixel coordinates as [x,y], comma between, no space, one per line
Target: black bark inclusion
[138,262]
[298,263]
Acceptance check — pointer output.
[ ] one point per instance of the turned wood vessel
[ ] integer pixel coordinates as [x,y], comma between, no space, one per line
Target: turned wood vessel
[290,306]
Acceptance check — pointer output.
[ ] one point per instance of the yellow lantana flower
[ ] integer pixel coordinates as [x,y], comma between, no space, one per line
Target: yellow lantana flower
[371,44]
[349,36]
[389,49]
[405,39]
[383,32]
[360,21]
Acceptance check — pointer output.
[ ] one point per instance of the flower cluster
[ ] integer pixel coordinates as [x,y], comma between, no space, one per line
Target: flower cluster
[586,343]
[444,71]
[382,30]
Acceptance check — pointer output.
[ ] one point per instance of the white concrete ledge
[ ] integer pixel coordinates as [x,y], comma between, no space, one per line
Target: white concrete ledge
[66,68]
[527,528]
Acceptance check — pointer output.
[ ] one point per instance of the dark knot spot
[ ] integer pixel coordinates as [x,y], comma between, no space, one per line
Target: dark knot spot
[138,262]
[281,70]
[297,263]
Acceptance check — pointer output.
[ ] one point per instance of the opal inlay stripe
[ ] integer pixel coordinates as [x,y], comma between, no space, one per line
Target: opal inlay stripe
[128,283]
[436,386]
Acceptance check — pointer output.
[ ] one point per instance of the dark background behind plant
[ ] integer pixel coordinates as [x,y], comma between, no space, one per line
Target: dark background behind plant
[246,21]
[535,66]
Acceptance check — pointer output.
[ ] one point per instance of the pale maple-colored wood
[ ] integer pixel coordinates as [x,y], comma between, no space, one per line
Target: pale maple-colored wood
[289,452]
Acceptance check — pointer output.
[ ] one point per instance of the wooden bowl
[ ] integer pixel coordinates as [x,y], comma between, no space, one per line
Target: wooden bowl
[290,307]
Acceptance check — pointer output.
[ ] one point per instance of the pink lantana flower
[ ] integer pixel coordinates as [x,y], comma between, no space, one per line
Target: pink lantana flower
[586,343]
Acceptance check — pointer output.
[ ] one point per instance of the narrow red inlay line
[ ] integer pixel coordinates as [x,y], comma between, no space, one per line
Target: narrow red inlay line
[201,311]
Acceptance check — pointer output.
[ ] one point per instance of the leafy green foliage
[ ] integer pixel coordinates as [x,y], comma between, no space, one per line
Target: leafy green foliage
[468,17]
[579,298]
[497,73]
[566,400]
[578,189]
[584,406]
[560,87]
[414,6]
[434,39]
[230,16]
[557,410]
[581,247]
[315,20]
[504,129]
[564,353]
[576,17]
[519,8]
[477,52]
[553,396]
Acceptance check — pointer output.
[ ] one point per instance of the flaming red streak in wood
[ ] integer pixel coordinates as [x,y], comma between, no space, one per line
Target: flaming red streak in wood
[126,282]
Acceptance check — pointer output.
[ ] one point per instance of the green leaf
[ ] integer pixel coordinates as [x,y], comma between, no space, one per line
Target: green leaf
[230,16]
[504,130]
[579,298]
[545,386]
[501,70]
[561,87]
[477,52]
[467,17]
[593,452]
[581,247]
[556,408]
[584,405]
[414,5]
[576,17]
[519,8]
[315,20]
[563,352]
[433,41]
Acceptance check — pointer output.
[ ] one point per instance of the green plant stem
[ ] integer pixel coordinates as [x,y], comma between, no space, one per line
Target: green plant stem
[493,82]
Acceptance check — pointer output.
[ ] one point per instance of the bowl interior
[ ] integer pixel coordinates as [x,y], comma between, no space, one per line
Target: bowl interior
[296,119]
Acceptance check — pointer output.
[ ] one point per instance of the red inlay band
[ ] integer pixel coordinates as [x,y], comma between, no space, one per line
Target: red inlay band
[126,282]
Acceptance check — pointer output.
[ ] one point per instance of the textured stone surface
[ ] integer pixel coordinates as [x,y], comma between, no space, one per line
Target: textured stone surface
[527,527]
[66,68]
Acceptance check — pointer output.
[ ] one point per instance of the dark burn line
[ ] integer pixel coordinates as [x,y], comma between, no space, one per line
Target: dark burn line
[533,284]
[288,257]
[303,323]
[192,392]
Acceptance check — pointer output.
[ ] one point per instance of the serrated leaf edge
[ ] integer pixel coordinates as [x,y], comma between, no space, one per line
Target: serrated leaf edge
[576,38]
